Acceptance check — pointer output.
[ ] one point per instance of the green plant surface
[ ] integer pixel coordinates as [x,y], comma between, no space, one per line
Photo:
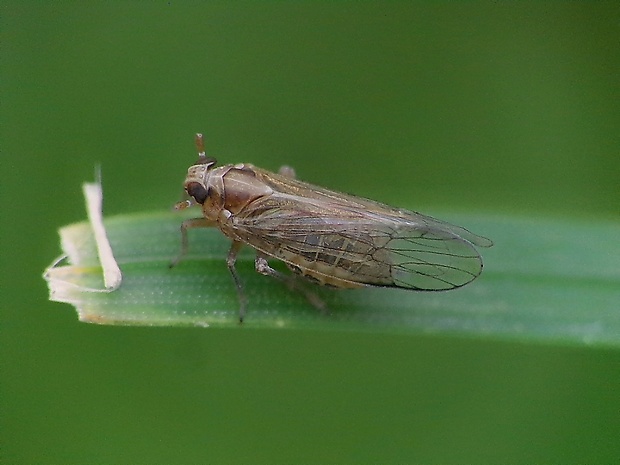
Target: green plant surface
[545,280]
[506,108]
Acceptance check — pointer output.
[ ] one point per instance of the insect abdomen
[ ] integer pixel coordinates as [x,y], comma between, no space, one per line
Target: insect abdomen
[338,260]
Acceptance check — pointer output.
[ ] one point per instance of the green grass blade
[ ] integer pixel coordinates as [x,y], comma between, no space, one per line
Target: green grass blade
[547,281]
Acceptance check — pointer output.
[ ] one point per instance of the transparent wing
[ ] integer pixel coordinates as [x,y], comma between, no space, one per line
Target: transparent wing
[375,245]
[430,257]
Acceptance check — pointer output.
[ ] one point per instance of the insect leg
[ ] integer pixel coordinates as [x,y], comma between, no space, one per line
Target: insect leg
[189,224]
[230,261]
[262,266]
[287,171]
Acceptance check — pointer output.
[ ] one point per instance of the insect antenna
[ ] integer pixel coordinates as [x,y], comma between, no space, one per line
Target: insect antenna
[202,155]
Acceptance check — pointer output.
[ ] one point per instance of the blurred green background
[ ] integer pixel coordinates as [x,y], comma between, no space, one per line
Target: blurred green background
[475,107]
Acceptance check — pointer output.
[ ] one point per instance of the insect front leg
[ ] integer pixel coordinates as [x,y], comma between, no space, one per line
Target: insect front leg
[189,224]
[230,261]
[262,266]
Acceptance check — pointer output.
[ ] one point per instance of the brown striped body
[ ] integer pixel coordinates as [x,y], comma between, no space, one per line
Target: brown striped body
[331,238]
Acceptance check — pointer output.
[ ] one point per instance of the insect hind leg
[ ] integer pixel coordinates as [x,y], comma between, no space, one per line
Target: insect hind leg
[262,266]
[287,171]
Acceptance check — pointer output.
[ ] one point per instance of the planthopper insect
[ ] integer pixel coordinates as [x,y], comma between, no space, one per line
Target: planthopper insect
[325,236]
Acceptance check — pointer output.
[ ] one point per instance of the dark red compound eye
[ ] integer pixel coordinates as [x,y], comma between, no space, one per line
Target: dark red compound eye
[197,191]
